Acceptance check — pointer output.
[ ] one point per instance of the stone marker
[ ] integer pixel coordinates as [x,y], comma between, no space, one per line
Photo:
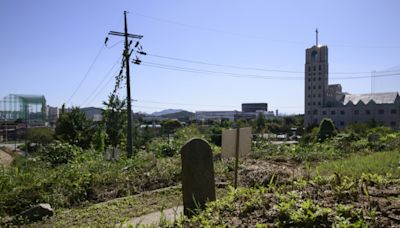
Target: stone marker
[111,153]
[229,142]
[36,213]
[198,185]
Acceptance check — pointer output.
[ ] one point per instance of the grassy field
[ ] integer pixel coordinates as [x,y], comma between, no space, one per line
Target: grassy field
[387,162]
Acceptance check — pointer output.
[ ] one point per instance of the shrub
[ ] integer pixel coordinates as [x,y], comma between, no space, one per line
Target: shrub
[41,135]
[326,130]
[58,153]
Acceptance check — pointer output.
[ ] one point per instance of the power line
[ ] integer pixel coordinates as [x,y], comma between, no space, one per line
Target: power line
[236,34]
[252,76]
[201,71]
[251,68]
[104,86]
[87,73]
[101,82]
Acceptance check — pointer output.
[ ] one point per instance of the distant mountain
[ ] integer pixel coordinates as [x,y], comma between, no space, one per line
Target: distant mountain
[166,111]
[182,115]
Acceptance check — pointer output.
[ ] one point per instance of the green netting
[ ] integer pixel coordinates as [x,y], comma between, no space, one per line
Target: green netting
[29,108]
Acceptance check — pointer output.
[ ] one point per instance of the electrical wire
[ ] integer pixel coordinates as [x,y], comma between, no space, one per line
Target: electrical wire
[252,68]
[236,34]
[87,73]
[101,82]
[252,76]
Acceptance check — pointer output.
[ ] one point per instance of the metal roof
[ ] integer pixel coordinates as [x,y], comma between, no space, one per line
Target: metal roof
[378,98]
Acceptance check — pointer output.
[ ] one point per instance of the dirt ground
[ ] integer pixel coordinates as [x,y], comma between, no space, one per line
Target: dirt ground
[5,158]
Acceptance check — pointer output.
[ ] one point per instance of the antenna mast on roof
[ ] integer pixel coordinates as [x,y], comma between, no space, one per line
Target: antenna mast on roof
[316,37]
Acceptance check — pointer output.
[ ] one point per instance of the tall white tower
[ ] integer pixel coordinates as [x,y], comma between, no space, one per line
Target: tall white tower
[316,82]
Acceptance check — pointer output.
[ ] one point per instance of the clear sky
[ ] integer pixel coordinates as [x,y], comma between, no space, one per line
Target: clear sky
[48,47]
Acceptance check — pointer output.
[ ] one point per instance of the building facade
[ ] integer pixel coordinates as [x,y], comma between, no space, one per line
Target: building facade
[254,107]
[329,101]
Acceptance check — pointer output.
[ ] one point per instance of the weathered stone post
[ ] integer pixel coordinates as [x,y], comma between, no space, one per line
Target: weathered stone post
[198,184]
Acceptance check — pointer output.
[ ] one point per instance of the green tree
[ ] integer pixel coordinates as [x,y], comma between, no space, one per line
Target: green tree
[260,123]
[74,128]
[170,126]
[40,136]
[326,129]
[115,120]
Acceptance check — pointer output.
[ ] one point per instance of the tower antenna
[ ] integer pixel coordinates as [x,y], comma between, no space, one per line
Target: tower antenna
[316,37]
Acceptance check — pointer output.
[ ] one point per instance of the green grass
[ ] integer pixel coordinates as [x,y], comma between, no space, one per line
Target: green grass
[382,163]
[117,211]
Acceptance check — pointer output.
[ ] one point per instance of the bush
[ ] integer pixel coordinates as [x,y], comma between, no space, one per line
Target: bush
[326,130]
[58,153]
[42,135]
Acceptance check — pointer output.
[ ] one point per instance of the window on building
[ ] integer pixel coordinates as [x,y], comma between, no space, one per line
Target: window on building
[319,78]
[341,123]
[315,112]
[313,95]
[319,87]
[342,112]
[308,112]
[314,79]
[319,103]
[309,87]
[313,103]
[393,111]
[314,87]
[308,95]
[309,79]
[333,112]
[393,123]
[368,112]
[356,112]
[319,95]
[381,111]
[308,103]
[323,112]
[309,68]
[314,68]
[314,56]
[319,67]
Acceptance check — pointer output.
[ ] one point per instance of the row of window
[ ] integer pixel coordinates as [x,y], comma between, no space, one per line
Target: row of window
[314,79]
[392,123]
[319,95]
[315,68]
[314,87]
[356,112]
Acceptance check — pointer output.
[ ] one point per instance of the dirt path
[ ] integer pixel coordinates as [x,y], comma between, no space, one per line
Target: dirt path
[155,218]
[5,159]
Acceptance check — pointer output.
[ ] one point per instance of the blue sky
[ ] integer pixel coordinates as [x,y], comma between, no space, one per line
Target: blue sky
[48,46]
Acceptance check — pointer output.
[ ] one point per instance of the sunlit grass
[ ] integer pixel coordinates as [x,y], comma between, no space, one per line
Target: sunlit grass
[378,163]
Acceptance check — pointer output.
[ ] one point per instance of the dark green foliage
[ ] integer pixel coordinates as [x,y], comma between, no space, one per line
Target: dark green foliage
[58,153]
[326,130]
[86,177]
[115,120]
[170,126]
[260,123]
[73,128]
[216,135]
[41,135]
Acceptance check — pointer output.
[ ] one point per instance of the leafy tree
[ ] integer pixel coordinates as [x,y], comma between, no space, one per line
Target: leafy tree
[115,120]
[170,126]
[260,123]
[74,128]
[326,129]
[216,135]
[41,135]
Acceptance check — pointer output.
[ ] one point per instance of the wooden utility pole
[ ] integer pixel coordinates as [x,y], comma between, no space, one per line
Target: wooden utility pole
[127,54]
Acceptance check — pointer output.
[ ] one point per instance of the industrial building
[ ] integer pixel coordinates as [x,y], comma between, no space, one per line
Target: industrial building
[323,100]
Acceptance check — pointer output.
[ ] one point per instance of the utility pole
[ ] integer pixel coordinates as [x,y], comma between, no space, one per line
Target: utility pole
[127,54]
